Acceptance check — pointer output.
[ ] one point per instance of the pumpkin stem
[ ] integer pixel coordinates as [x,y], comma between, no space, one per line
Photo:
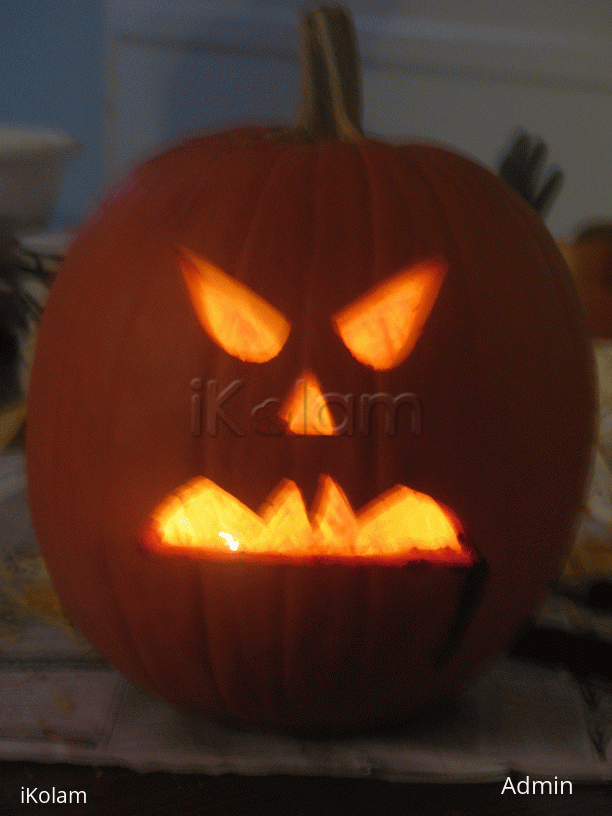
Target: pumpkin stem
[331,100]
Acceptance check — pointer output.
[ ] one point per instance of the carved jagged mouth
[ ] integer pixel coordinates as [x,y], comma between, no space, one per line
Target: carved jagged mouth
[201,519]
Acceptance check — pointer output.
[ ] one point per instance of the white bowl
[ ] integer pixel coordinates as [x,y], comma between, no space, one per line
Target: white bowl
[32,163]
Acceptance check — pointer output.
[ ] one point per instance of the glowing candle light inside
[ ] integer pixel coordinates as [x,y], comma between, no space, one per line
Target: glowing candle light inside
[231,541]
[400,523]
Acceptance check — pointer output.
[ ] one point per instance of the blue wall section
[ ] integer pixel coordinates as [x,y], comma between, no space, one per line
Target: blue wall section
[52,75]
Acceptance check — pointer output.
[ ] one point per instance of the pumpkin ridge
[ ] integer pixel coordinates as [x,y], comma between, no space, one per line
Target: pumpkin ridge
[270,189]
[369,157]
[210,169]
[366,154]
[314,251]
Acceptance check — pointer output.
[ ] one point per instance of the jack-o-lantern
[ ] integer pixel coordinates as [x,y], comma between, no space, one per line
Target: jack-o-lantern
[309,418]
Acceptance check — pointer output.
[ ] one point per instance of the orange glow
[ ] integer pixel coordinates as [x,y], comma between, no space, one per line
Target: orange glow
[237,319]
[306,411]
[202,519]
[381,328]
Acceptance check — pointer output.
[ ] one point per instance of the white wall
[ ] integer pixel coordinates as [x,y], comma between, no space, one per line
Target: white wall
[465,73]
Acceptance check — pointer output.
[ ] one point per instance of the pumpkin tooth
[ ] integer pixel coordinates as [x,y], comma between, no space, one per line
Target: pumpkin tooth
[285,518]
[334,525]
[404,519]
[201,511]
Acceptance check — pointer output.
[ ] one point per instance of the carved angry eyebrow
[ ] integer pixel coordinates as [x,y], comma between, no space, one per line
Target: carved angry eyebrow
[381,328]
[240,321]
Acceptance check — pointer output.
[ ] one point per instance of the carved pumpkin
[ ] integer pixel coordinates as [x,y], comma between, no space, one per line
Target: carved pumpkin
[309,419]
[589,258]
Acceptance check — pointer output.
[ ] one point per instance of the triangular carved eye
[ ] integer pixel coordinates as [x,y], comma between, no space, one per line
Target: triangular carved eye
[381,328]
[237,319]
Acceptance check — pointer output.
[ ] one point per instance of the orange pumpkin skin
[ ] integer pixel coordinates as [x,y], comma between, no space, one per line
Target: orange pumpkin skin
[502,371]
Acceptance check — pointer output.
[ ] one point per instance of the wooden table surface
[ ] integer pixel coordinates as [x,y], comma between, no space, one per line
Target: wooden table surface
[119,791]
